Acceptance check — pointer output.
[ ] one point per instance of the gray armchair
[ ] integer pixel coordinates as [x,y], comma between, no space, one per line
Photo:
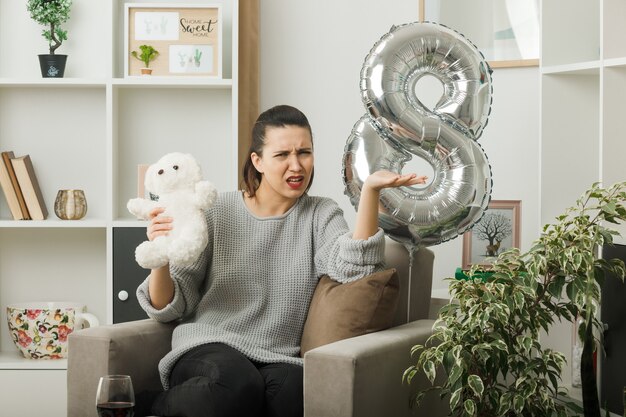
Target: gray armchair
[356,377]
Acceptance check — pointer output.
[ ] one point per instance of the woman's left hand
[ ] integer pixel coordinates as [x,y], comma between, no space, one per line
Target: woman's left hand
[367,214]
[386,179]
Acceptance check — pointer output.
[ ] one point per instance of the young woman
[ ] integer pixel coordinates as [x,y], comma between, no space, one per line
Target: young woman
[243,304]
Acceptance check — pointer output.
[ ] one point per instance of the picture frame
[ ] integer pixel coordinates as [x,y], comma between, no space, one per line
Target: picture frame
[188,38]
[507,33]
[497,231]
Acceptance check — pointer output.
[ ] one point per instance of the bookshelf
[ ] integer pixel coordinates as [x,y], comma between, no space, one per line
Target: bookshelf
[583,82]
[89,131]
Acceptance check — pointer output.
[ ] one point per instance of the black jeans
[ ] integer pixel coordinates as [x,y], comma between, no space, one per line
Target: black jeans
[215,380]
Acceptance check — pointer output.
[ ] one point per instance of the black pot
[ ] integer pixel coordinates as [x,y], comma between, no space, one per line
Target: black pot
[52,66]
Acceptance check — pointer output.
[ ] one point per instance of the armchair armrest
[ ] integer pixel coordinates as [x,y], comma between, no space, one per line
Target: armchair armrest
[362,376]
[132,348]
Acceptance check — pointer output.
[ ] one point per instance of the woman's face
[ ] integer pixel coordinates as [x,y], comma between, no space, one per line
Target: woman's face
[286,163]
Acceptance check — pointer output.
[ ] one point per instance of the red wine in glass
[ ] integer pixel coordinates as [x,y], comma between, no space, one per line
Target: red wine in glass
[115,396]
[115,409]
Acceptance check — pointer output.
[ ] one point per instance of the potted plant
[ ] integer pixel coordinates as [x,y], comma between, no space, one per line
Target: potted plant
[488,344]
[51,14]
[148,54]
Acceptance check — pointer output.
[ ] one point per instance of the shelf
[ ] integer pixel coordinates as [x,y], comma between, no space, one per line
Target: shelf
[583,82]
[130,223]
[15,360]
[52,82]
[90,130]
[615,62]
[152,81]
[579,68]
[54,223]
[173,82]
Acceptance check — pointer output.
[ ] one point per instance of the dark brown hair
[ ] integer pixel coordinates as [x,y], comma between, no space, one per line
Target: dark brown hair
[278,116]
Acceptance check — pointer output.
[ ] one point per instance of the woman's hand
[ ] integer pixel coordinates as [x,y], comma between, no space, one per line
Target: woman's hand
[159,225]
[367,215]
[160,286]
[386,179]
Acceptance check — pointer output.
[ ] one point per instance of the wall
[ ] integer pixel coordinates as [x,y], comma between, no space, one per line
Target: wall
[311,57]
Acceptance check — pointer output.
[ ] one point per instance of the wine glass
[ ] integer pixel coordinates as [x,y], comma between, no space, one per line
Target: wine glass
[115,397]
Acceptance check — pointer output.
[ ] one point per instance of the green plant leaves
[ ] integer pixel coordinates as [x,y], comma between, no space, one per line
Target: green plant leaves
[455,375]
[429,370]
[455,399]
[51,14]
[488,342]
[470,408]
[476,384]
[148,54]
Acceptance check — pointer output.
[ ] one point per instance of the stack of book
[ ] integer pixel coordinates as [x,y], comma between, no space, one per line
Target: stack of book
[21,188]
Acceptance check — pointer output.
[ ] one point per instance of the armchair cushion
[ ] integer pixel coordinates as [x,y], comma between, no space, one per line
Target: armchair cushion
[340,311]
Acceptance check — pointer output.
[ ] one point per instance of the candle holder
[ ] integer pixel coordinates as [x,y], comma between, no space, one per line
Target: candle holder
[70,204]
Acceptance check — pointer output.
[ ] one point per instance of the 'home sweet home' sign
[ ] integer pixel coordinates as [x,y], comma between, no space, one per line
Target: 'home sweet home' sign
[188,39]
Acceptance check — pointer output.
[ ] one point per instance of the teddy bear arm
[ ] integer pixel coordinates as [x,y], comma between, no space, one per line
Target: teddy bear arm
[205,194]
[141,207]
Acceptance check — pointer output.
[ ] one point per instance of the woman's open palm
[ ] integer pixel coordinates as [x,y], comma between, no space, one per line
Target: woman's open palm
[386,179]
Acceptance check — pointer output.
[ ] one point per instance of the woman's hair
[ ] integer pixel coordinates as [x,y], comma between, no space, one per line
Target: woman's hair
[278,116]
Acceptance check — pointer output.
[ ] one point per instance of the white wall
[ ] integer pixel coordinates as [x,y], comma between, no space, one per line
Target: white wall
[311,57]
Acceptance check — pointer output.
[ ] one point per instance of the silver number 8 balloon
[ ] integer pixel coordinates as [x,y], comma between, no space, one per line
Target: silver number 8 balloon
[398,127]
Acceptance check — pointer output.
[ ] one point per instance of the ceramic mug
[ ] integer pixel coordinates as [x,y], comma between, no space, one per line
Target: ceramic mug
[40,330]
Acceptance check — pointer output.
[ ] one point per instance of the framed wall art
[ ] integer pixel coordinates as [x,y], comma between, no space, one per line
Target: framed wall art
[506,32]
[497,231]
[188,39]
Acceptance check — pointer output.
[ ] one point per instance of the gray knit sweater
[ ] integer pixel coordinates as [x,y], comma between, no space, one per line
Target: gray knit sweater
[252,286]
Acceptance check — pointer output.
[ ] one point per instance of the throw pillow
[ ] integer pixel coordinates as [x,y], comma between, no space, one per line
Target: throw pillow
[339,311]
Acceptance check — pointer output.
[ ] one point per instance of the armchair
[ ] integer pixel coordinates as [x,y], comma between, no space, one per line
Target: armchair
[356,377]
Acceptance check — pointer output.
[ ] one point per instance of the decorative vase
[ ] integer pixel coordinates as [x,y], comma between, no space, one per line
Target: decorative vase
[70,204]
[577,351]
[52,66]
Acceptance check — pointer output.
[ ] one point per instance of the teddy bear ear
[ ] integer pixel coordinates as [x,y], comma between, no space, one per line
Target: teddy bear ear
[193,167]
[189,159]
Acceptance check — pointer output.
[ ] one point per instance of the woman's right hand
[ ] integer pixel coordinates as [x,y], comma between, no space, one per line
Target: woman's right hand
[159,225]
[160,286]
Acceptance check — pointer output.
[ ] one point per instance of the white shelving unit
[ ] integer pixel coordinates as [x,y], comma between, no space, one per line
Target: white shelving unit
[90,130]
[583,85]
[583,69]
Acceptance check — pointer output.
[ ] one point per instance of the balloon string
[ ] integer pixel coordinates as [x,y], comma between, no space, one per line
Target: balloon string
[411,251]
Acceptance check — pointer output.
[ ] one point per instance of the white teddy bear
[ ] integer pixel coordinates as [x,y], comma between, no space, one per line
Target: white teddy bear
[177,181]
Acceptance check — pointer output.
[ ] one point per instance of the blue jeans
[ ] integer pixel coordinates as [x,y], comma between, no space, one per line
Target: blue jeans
[215,380]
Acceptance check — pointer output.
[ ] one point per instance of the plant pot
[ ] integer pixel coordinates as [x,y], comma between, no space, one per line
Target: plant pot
[52,66]
[146,71]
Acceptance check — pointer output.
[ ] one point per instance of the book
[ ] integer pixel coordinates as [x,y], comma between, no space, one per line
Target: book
[29,185]
[11,188]
[141,178]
